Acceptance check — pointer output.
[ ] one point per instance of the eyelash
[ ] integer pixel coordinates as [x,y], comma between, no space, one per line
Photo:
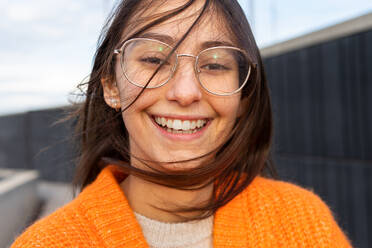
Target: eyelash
[221,66]
[150,60]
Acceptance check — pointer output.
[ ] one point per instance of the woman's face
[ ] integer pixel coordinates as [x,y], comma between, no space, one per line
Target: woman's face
[180,103]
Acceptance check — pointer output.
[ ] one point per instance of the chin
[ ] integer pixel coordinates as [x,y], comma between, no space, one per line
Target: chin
[178,165]
[181,165]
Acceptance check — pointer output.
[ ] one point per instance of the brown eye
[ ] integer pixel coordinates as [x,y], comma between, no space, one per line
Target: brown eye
[215,67]
[153,60]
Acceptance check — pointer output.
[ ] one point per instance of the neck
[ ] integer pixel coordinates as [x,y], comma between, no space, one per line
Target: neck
[142,194]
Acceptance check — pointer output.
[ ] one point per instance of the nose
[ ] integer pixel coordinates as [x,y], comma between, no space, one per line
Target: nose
[184,87]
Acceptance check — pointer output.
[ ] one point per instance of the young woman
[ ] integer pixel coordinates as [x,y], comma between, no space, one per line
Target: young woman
[176,130]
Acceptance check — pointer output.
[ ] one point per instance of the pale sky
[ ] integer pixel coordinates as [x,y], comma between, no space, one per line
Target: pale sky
[46,47]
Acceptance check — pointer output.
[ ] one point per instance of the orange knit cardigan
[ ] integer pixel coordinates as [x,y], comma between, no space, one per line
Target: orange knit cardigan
[268,213]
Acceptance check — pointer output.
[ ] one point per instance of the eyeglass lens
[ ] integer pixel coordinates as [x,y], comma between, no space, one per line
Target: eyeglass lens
[220,70]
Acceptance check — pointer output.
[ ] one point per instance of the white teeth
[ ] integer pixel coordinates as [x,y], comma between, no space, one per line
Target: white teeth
[193,125]
[186,125]
[163,121]
[199,124]
[169,123]
[179,126]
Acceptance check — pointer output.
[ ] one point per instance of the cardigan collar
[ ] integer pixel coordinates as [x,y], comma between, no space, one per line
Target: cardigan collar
[115,222]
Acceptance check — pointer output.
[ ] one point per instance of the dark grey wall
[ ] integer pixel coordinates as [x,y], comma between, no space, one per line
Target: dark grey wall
[30,140]
[322,101]
[322,98]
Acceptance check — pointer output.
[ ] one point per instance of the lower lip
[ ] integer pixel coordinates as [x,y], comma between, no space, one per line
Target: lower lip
[181,136]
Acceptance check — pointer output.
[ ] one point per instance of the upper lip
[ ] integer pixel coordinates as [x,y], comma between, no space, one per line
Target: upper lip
[181,117]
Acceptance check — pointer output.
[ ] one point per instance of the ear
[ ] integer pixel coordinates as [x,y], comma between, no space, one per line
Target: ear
[111,93]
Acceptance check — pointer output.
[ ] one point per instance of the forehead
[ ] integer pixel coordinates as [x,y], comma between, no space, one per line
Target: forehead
[211,30]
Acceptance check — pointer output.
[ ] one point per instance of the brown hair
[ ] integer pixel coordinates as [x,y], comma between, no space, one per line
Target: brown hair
[104,138]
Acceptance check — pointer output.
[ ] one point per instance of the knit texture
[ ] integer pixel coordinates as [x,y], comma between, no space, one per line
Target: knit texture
[268,213]
[191,234]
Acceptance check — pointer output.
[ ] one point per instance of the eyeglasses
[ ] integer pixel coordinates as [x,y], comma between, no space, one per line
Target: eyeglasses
[221,70]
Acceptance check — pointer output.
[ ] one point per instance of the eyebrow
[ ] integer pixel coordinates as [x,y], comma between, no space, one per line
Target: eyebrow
[170,41]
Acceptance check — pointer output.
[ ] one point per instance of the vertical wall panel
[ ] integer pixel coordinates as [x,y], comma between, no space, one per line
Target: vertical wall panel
[305,82]
[280,96]
[295,104]
[359,204]
[14,142]
[356,84]
[333,111]
[272,66]
[368,193]
[316,95]
[352,96]
[366,93]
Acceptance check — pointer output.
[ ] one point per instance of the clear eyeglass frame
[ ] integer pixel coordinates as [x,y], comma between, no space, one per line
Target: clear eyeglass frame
[174,68]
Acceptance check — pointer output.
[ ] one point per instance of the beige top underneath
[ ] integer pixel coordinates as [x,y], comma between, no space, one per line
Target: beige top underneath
[191,234]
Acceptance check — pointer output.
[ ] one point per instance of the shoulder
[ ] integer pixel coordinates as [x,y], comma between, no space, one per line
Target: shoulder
[95,218]
[65,227]
[291,209]
[286,198]
[283,198]
[279,192]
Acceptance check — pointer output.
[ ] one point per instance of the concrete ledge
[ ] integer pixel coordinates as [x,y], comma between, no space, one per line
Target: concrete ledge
[54,195]
[18,202]
[343,29]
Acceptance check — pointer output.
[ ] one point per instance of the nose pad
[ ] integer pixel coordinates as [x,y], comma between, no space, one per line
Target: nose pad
[185,88]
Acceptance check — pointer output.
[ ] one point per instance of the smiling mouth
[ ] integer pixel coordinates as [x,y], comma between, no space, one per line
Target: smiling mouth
[176,126]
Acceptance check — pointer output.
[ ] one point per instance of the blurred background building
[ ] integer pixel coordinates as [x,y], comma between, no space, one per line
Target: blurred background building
[321,87]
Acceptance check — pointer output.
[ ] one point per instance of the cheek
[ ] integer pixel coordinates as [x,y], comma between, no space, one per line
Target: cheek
[127,90]
[128,93]
[227,108]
